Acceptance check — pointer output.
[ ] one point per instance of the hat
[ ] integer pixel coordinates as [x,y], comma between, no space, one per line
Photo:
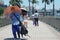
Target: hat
[23,9]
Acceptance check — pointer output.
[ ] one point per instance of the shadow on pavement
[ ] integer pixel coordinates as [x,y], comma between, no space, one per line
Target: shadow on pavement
[15,39]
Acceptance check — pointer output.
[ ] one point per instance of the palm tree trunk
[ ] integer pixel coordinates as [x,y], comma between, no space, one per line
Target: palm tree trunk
[53,8]
[45,9]
[29,5]
[32,8]
[29,8]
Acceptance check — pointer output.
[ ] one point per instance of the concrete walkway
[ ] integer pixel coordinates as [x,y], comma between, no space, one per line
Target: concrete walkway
[41,32]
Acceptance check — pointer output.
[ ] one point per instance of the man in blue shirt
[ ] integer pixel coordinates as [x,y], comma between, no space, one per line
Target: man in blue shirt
[15,23]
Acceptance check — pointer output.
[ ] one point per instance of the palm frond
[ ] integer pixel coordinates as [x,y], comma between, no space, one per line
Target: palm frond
[51,0]
[43,1]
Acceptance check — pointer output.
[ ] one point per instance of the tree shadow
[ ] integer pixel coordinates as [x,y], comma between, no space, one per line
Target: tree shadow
[15,39]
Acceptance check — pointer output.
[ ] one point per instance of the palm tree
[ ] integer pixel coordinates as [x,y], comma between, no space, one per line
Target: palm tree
[53,6]
[46,2]
[33,2]
[29,8]
[29,4]
[15,2]
[19,2]
[12,2]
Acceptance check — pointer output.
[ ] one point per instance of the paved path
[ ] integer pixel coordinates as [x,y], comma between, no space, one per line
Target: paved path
[41,32]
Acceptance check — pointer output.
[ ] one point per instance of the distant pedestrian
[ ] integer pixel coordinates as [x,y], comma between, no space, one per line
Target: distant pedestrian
[36,16]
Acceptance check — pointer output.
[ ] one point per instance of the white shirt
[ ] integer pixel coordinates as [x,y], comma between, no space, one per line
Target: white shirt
[36,15]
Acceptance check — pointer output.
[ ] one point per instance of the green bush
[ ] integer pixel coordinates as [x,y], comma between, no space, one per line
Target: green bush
[1,11]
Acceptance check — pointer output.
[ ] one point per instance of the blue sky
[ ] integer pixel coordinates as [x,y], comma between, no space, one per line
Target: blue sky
[40,5]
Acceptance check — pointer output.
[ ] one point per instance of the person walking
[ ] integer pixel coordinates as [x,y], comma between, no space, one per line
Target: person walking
[36,15]
[10,12]
[15,23]
[25,16]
